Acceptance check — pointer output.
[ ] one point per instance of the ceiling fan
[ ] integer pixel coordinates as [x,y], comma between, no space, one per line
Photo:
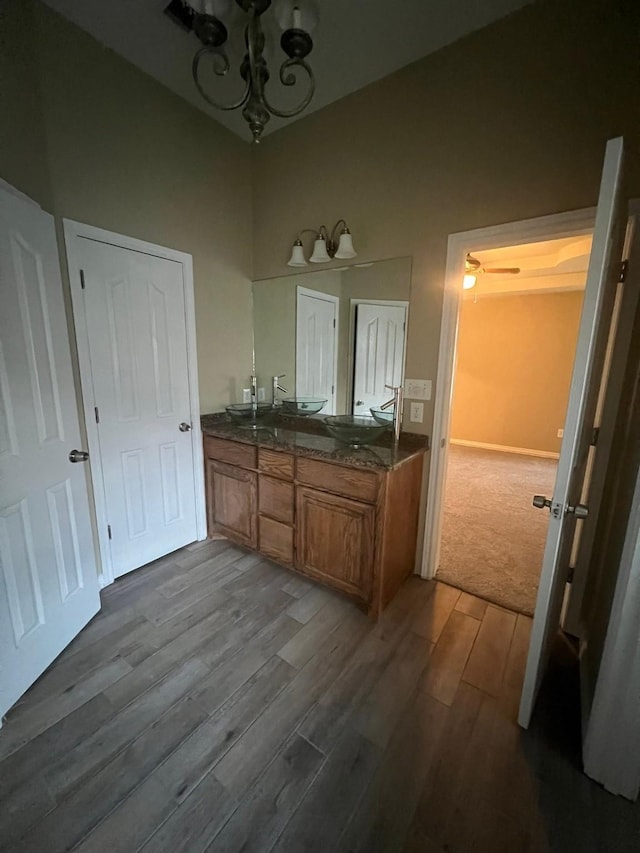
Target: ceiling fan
[473,267]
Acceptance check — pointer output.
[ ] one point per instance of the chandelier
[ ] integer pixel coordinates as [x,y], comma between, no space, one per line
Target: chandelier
[295,19]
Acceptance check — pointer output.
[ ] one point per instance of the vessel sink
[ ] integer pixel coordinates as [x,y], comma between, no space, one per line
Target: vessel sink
[382,416]
[303,405]
[355,430]
[245,415]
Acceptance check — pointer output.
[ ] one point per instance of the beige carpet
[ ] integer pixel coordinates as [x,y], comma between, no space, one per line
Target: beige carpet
[493,538]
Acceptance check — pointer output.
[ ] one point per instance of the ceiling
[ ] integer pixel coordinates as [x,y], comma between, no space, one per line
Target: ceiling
[551,265]
[355,43]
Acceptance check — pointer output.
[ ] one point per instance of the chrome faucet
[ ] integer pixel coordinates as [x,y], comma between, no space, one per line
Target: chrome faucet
[278,387]
[396,401]
[254,392]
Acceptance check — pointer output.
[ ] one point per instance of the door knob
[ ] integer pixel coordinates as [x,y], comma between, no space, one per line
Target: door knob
[359,402]
[541,502]
[184,427]
[579,510]
[78,456]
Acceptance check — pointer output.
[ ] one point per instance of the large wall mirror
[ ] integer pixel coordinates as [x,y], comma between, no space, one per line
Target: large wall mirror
[337,334]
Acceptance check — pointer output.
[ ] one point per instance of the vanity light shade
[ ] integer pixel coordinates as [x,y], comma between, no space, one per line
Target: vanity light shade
[297,258]
[345,246]
[320,254]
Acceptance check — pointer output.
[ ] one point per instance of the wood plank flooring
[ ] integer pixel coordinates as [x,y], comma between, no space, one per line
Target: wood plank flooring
[221,703]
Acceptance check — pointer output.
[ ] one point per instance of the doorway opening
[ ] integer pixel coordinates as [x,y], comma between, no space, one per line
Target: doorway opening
[483,242]
[517,323]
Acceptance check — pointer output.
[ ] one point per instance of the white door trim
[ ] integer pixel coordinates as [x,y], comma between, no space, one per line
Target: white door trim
[73,230]
[555,226]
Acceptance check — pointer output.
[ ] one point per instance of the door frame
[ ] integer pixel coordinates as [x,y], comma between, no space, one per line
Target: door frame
[353,304]
[572,223]
[327,297]
[72,231]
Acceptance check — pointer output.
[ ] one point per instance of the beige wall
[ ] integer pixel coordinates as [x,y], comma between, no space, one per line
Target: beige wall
[506,124]
[93,139]
[514,360]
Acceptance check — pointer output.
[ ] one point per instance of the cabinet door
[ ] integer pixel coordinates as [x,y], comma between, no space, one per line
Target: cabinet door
[232,504]
[335,540]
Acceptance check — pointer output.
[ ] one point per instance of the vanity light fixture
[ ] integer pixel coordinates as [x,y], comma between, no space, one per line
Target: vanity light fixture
[325,247]
[297,19]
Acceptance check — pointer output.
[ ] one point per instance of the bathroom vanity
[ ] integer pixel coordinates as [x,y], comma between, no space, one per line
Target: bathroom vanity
[345,517]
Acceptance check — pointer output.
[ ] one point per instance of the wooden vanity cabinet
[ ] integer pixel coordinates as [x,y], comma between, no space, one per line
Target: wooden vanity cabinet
[351,528]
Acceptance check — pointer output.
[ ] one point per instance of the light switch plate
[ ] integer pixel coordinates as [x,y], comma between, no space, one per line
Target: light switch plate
[261,395]
[246,395]
[416,414]
[417,389]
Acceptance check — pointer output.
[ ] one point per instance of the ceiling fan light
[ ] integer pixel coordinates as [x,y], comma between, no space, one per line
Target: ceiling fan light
[468,281]
[297,258]
[345,246]
[320,254]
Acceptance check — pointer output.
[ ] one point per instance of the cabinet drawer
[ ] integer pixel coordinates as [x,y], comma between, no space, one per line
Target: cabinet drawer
[276,540]
[276,463]
[232,452]
[351,482]
[275,499]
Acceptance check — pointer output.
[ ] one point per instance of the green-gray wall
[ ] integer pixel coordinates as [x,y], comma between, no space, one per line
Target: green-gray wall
[92,138]
[506,124]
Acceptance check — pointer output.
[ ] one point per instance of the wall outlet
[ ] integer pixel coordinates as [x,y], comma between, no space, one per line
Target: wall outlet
[560,433]
[417,389]
[416,413]
[246,395]
[261,396]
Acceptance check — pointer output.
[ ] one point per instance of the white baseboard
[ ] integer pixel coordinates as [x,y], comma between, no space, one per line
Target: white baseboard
[524,451]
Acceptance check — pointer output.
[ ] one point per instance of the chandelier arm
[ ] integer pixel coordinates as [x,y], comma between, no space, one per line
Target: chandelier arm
[288,78]
[220,73]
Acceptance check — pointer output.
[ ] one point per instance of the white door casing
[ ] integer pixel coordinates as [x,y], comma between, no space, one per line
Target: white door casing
[135,325]
[316,346]
[380,331]
[48,581]
[597,309]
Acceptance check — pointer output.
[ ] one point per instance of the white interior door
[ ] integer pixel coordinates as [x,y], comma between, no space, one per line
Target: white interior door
[134,305]
[316,346]
[48,578]
[602,278]
[379,353]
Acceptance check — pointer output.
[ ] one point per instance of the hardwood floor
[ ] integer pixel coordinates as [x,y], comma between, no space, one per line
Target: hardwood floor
[221,703]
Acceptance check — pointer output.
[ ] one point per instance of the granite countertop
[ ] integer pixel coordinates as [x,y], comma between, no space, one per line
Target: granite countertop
[308,437]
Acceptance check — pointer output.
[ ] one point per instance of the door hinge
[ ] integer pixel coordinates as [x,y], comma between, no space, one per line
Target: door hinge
[109,531]
[571,574]
[95,409]
[333,389]
[595,435]
[82,279]
[624,267]
[334,322]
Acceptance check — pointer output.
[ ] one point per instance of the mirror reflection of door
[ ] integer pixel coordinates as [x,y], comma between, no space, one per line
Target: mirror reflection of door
[316,346]
[379,345]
